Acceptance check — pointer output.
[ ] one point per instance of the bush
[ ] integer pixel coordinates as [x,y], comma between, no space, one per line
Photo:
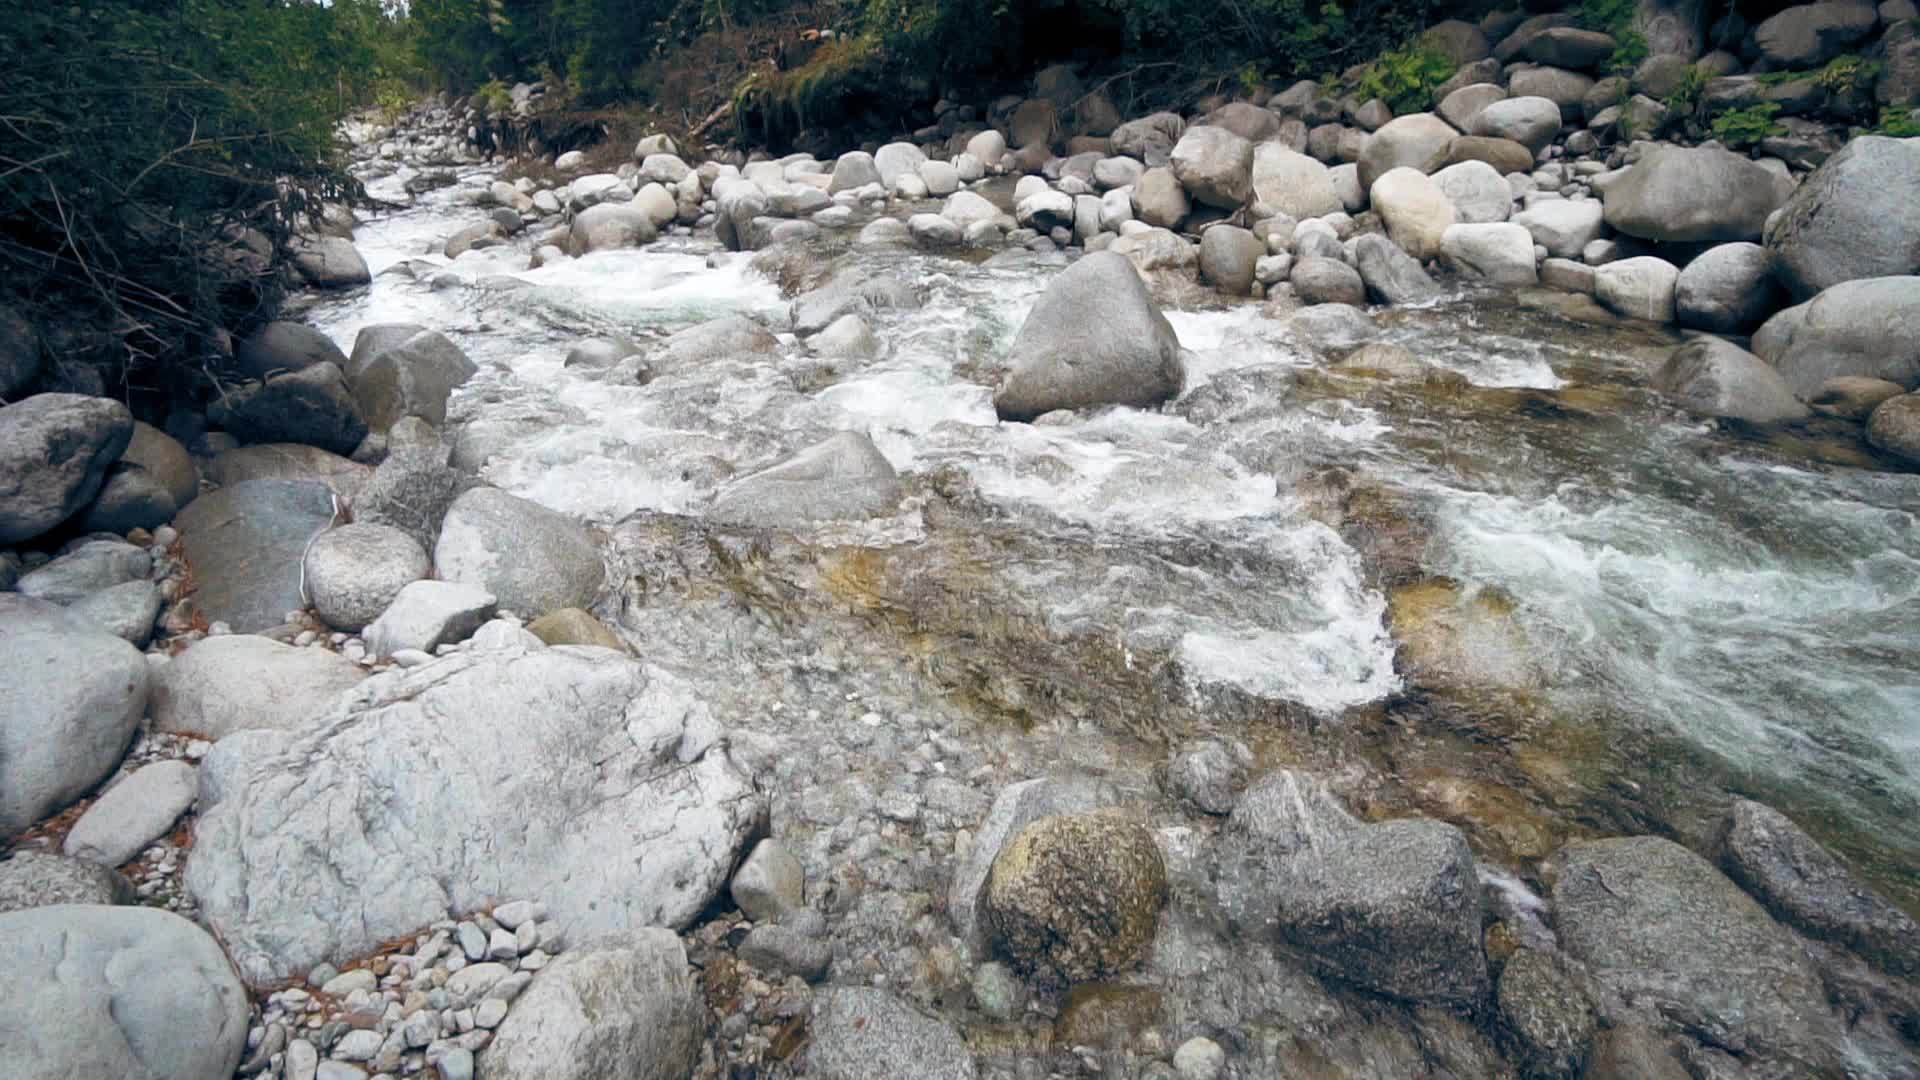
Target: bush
[1741,128]
[1405,78]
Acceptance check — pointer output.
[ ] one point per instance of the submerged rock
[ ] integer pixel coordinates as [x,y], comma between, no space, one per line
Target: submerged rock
[1718,378]
[844,478]
[1094,338]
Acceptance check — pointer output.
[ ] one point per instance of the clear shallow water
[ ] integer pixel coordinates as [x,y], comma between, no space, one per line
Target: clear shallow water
[1728,597]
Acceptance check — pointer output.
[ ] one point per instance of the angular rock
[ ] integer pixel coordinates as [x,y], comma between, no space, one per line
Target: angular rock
[1718,378]
[844,478]
[1094,338]
[1075,897]
[240,682]
[623,1005]
[1150,138]
[1391,275]
[769,884]
[312,406]
[354,571]
[1692,195]
[116,991]
[324,843]
[414,487]
[1857,216]
[859,1033]
[55,450]
[133,813]
[531,558]
[71,700]
[412,378]
[1501,252]
[428,614]
[1545,1008]
[1866,327]
[1214,165]
[1159,200]
[244,544]
[165,460]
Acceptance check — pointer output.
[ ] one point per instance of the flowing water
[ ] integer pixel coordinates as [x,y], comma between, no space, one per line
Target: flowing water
[1528,597]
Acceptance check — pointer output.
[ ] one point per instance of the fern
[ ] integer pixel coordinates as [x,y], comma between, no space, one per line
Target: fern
[1741,128]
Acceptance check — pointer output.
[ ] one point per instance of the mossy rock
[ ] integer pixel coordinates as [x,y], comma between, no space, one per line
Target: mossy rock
[1075,898]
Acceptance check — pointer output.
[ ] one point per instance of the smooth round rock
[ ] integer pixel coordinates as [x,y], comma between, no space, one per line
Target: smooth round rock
[355,571]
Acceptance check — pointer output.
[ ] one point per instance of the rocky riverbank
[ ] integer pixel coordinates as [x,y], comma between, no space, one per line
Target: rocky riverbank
[370,767]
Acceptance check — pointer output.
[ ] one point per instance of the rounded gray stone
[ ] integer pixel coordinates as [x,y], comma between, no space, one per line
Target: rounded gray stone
[355,571]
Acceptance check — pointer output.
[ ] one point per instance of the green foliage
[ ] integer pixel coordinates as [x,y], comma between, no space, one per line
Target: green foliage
[1405,78]
[1629,52]
[1846,75]
[1614,17]
[1897,123]
[1686,97]
[1741,128]
[493,97]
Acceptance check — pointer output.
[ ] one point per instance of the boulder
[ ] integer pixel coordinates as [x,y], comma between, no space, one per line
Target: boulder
[1501,252]
[1504,155]
[850,294]
[1866,327]
[1717,378]
[1393,907]
[846,336]
[623,1005]
[1416,211]
[414,487]
[1042,211]
[1639,288]
[285,346]
[132,813]
[1159,200]
[853,170]
[117,991]
[727,337]
[1214,165]
[1727,289]
[843,478]
[290,461]
[610,225]
[532,558]
[411,378]
[165,461]
[1017,806]
[127,611]
[32,879]
[240,682]
[1692,195]
[1319,280]
[988,146]
[244,544]
[55,450]
[1571,47]
[1331,328]
[1567,89]
[860,1033]
[1461,106]
[428,614]
[1075,897]
[1291,183]
[322,844]
[329,262]
[1894,427]
[1530,121]
[1549,1014]
[1808,35]
[354,571]
[1857,216]
[71,700]
[1245,119]
[1853,397]
[1479,194]
[1094,338]
[895,160]
[1150,138]
[1391,275]
[1416,141]
[1035,122]
[86,568]
[1227,256]
[1657,924]
[964,208]
[1151,250]
[1672,27]
[1563,226]
[1515,43]
[312,406]
[1458,41]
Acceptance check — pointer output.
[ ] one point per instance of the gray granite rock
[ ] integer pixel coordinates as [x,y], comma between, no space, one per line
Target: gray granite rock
[133,813]
[860,1033]
[55,450]
[241,682]
[532,559]
[244,544]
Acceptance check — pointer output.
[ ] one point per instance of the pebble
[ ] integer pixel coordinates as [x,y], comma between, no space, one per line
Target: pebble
[472,941]
[1199,1058]
[489,1013]
[456,1064]
[358,1045]
[502,945]
[345,983]
[301,1060]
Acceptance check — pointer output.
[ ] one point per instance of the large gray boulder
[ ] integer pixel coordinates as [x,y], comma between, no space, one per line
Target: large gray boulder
[609,226]
[55,450]
[1500,252]
[1159,200]
[1478,192]
[1415,141]
[1659,926]
[1695,195]
[844,478]
[1416,211]
[242,682]
[370,341]
[1866,327]
[290,461]
[1215,166]
[1726,289]
[1530,121]
[1563,226]
[244,544]
[131,498]
[87,568]
[313,406]
[1718,378]
[329,262]
[354,571]
[1292,183]
[853,169]
[31,879]
[1393,907]
[70,702]
[861,1033]
[1802,884]
[1095,338]
[1227,257]
[1808,35]
[412,378]
[1460,106]
[1150,138]
[534,560]
[129,992]
[1639,288]
[1857,216]
[285,346]
[623,1005]
[1318,280]
[621,809]
[414,487]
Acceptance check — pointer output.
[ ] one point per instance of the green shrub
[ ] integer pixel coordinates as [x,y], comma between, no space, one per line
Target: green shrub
[1405,78]
[1846,75]
[1897,123]
[1741,128]
[1686,97]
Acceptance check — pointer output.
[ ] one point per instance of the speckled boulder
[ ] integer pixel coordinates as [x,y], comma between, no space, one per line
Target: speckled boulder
[1075,897]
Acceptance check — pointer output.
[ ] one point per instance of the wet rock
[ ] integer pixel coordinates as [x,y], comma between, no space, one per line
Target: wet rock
[609,226]
[1417,141]
[1857,216]
[897,159]
[1727,289]
[1659,926]
[1291,182]
[1385,359]
[1499,252]
[1533,122]
[280,347]
[55,450]
[531,558]
[354,571]
[1094,338]
[1853,397]
[1803,885]
[244,544]
[1210,774]
[240,682]
[89,567]
[1717,378]
[843,478]
[1868,327]
[624,1005]
[1075,897]
[312,406]
[1640,288]
[31,879]
[1548,1012]
[848,336]
[1331,328]
[603,352]
[1327,281]
[117,991]
[850,294]
[1478,193]
[428,614]
[412,378]
[71,700]
[1016,806]
[572,626]
[1393,907]
[1692,195]
[413,488]
[1416,211]
[1391,275]
[770,883]
[860,1033]
[1636,1051]
[132,813]
[1895,427]
[290,461]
